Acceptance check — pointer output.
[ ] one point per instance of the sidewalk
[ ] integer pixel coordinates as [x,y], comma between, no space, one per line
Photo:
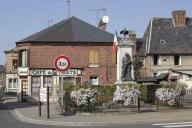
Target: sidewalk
[29,113]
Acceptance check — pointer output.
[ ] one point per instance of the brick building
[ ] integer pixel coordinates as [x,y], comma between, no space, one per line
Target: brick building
[2,77]
[88,47]
[11,71]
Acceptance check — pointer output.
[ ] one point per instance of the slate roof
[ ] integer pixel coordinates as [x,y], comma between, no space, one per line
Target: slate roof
[2,69]
[70,30]
[167,39]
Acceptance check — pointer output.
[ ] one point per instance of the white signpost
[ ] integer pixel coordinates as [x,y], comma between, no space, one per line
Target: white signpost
[43,94]
[62,64]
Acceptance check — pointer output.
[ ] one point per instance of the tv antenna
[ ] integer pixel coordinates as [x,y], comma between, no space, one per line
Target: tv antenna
[68,7]
[49,21]
[99,10]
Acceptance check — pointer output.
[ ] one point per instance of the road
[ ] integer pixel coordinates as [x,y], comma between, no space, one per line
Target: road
[8,121]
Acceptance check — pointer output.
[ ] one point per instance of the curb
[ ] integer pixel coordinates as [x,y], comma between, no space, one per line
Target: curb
[54,123]
[22,118]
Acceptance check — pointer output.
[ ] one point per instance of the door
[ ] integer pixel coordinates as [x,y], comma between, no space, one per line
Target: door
[24,90]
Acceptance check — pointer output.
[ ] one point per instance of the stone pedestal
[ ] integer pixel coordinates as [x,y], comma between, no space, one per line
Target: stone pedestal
[125,46]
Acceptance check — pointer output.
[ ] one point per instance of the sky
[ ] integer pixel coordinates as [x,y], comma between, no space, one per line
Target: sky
[22,18]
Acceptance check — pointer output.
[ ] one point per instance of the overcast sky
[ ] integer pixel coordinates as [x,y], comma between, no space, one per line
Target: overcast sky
[21,18]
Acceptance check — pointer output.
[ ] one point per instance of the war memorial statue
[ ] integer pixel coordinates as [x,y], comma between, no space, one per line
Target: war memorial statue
[126,68]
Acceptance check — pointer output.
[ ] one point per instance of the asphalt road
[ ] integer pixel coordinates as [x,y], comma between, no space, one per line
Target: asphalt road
[8,121]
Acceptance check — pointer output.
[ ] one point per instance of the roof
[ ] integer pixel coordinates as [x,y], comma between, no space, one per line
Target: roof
[161,77]
[2,69]
[146,80]
[70,30]
[163,38]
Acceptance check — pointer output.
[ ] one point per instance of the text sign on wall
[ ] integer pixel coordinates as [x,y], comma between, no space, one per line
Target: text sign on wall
[42,72]
[23,71]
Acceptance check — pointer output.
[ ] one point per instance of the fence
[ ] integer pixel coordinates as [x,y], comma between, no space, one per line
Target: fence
[145,102]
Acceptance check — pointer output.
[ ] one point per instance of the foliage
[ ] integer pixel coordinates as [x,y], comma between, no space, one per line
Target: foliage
[128,96]
[170,92]
[137,66]
[85,98]
[148,92]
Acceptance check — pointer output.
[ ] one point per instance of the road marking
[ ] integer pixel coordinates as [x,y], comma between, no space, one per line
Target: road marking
[178,126]
[174,125]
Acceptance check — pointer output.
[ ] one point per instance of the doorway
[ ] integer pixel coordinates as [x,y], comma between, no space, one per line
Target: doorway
[24,89]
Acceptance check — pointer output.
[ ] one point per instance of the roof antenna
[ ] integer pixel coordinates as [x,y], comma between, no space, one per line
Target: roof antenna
[48,22]
[98,11]
[68,8]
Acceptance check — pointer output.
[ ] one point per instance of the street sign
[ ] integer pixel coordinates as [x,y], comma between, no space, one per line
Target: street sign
[62,63]
[43,94]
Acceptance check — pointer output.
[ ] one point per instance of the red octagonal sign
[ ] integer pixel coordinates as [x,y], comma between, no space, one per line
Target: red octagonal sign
[62,63]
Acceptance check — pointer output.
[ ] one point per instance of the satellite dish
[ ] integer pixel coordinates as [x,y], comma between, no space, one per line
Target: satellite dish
[105,19]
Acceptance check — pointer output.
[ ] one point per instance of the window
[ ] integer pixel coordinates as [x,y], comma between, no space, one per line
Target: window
[12,83]
[177,60]
[71,80]
[1,77]
[35,83]
[156,60]
[47,81]
[23,58]
[94,80]
[93,57]
[14,64]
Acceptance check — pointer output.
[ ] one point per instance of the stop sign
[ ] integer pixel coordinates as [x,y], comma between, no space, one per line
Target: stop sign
[62,63]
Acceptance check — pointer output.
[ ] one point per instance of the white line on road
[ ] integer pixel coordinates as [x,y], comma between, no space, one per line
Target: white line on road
[178,126]
[172,123]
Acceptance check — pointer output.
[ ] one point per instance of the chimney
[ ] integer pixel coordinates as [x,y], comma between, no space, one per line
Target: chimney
[102,25]
[179,18]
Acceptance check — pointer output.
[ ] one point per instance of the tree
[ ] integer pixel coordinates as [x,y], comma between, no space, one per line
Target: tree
[137,66]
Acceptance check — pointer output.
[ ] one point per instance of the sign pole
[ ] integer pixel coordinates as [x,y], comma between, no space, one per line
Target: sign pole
[61,64]
[39,103]
[48,111]
[62,93]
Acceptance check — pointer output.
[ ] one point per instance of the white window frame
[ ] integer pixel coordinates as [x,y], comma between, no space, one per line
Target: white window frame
[35,84]
[94,80]
[11,84]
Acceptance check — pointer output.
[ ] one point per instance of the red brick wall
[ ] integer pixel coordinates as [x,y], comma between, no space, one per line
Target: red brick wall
[42,56]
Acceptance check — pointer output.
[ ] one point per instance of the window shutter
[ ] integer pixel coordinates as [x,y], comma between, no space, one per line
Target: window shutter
[91,56]
[28,60]
[19,59]
[96,57]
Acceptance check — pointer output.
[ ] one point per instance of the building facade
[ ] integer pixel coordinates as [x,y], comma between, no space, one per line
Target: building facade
[168,45]
[2,77]
[11,71]
[88,48]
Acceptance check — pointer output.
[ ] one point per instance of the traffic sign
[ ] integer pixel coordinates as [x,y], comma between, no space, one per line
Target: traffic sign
[62,63]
